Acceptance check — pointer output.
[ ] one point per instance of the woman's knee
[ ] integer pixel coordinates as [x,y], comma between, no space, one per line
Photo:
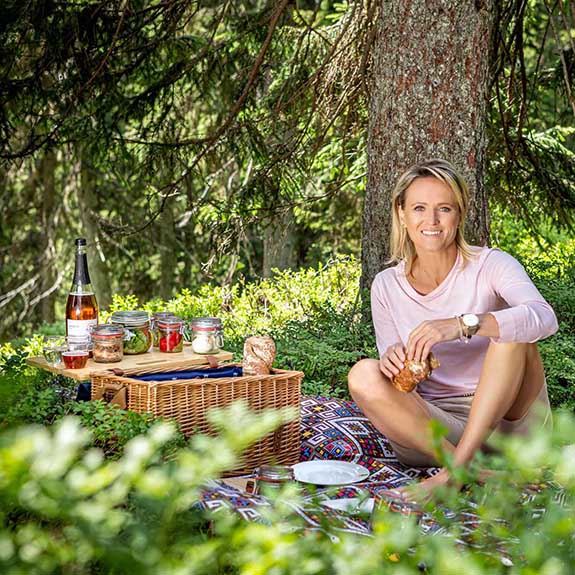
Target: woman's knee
[363,376]
[514,347]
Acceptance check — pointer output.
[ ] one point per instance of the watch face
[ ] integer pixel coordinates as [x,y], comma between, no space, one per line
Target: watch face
[470,320]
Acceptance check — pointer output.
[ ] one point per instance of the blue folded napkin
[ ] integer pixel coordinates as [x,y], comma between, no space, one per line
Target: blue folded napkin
[234,371]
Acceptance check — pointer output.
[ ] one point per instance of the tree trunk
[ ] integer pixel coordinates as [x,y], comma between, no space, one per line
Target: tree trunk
[88,209]
[279,243]
[169,251]
[47,262]
[428,98]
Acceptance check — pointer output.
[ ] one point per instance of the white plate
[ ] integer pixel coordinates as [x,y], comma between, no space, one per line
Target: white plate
[326,472]
[352,505]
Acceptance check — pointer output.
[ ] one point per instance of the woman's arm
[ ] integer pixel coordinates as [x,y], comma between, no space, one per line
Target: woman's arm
[529,318]
[386,334]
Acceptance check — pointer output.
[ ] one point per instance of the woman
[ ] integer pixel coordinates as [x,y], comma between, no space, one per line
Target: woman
[478,311]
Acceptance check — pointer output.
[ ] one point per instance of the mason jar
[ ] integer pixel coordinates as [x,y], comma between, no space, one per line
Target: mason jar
[137,335]
[107,343]
[207,335]
[170,334]
[270,477]
[155,331]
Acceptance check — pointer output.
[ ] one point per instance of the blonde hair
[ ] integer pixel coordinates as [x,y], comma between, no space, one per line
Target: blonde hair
[402,248]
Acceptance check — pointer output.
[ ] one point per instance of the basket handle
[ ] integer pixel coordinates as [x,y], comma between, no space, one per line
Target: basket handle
[119,398]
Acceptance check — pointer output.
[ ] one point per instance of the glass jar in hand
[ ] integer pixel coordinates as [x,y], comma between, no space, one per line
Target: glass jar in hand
[137,336]
[207,335]
[170,334]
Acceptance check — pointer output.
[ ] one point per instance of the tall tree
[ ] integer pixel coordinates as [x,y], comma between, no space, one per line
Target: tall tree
[428,98]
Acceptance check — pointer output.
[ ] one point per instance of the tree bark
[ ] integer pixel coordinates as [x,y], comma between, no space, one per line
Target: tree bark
[87,203]
[428,99]
[280,243]
[168,250]
[47,262]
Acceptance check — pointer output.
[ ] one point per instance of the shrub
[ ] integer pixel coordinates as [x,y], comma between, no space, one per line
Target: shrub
[66,509]
[313,315]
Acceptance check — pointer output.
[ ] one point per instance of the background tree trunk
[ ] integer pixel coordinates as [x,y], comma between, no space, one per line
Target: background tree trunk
[168,250]
[428,98]
[280,241]
[47,261]
[88,209]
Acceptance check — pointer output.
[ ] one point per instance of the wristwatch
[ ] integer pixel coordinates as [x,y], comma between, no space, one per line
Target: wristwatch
[470,325]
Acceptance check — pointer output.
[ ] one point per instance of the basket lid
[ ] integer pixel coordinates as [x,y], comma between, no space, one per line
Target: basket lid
[131,318]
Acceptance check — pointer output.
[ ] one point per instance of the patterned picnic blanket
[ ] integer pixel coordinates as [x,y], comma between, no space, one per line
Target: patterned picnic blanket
[336,429]
[332,429]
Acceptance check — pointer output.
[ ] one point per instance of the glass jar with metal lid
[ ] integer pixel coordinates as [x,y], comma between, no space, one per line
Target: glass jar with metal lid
[155,331]
[170,334]
[270,477]
[108,343]
[138,335]
[207,335]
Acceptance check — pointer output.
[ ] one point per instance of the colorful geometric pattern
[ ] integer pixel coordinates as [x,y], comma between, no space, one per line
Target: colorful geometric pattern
[337,429]
[331,429]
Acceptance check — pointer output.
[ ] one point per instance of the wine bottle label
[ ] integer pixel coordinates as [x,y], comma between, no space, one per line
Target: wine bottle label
[80,327]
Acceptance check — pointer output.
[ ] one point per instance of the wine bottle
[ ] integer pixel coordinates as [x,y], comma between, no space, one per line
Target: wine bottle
[81,307]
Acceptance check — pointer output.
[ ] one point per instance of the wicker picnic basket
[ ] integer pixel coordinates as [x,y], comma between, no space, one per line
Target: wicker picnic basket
[187,401]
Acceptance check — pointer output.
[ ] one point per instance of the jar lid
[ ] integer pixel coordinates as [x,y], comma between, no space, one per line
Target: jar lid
[207,322]
[170,321]
[132,318]
[107,330]
[162,314]
[275,472]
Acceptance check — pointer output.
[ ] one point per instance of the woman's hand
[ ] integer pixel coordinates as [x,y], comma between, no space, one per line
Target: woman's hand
[428,333]
[391,362]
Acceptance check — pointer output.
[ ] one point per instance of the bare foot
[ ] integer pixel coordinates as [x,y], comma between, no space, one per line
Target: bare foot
[419,492]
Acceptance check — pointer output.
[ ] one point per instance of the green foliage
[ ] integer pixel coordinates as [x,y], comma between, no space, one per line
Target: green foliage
[325,346]
[313,314]
[65,508]
[549,259]
[112,428]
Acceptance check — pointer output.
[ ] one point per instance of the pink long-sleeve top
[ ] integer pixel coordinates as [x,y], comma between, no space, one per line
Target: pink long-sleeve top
[493,282]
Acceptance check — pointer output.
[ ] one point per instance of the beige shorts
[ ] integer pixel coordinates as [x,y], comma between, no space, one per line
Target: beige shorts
[453,412]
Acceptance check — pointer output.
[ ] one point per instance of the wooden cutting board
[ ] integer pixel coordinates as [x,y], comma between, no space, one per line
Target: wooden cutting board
[150,360]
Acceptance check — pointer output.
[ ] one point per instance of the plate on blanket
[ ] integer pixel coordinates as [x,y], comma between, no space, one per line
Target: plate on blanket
[326,472]
[352,505]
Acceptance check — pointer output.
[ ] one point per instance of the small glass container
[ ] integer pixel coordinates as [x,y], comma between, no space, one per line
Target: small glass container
[52,349]
[108,343]
[170,334]
[270,477]
[207,335]
[79,343]
[138,334]
[75,358]
[155,331]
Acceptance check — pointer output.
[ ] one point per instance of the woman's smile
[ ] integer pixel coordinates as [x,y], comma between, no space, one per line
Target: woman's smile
[430,215]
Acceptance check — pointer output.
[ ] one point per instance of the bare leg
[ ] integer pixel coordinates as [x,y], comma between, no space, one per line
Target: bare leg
[511,379]
[402,417]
